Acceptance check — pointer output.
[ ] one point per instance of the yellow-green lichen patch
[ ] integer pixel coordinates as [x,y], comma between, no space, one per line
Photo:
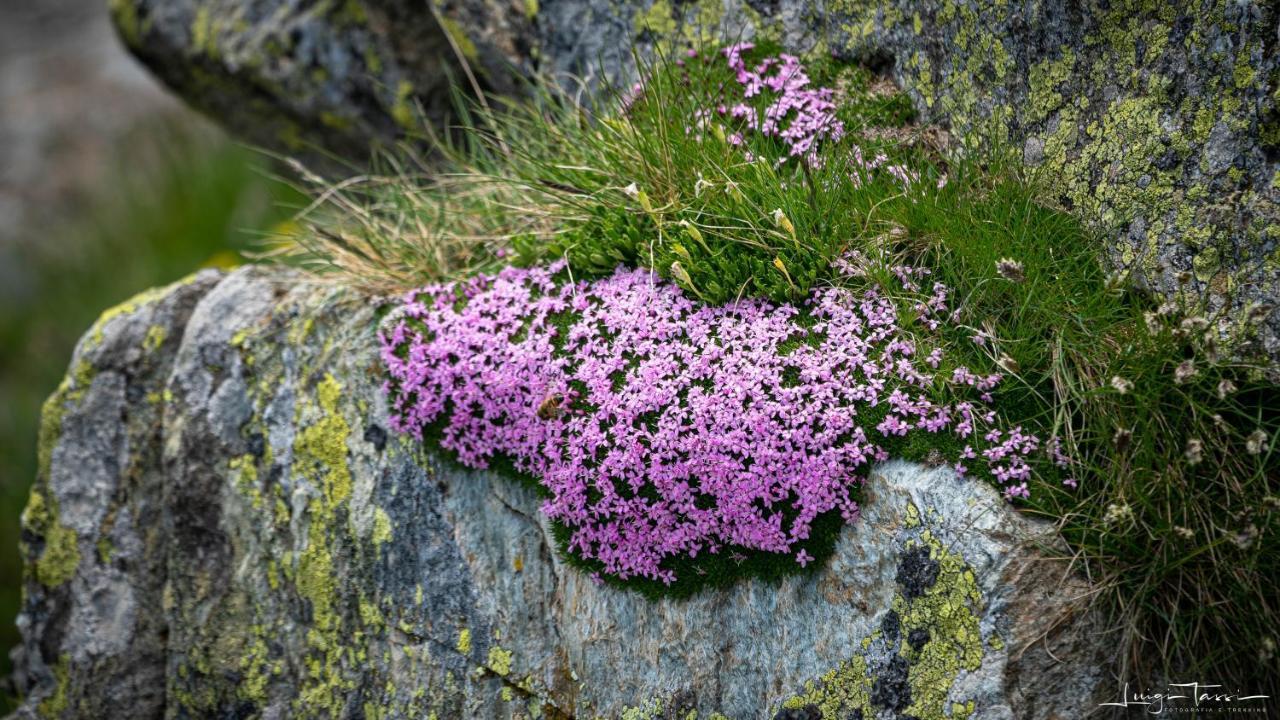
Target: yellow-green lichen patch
[657,19]
[648,710]
[381,527]
[256,669]
[464,641]
[202,31]
[60,557]
[246,479]
[125,15]
[948,612]
[839,693]
[1046,80]
[320,450]
[698,23]
[130,306]
[459,37]
[156,335]
[402,110]
[320,456]
[56,703]
[50,430]
[934,634]
[106,549]
[499,661]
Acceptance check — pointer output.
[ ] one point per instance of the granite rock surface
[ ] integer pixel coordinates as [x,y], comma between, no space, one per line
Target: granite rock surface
[223,526]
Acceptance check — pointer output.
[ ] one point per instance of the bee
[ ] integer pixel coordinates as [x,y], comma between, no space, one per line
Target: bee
[549,408]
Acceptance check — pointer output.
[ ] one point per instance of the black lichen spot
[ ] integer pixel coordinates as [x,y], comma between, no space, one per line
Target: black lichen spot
[917,638]
[892,689]
[856,714]
[808,712]
[376,435]
[257,445]
[917,572]
[891,625]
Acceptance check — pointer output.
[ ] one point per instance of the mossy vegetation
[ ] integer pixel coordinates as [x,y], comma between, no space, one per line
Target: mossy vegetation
[1170,491]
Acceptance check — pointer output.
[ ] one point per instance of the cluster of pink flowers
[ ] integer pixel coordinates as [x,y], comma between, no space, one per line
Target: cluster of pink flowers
[799,115]
[664,428]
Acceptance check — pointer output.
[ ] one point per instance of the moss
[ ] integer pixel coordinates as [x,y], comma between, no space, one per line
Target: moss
[57,702]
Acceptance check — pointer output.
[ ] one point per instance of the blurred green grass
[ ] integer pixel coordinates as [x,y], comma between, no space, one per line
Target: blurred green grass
[175,195]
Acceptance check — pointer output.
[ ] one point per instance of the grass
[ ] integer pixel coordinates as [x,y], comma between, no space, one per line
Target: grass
[1177,512]
[180,197]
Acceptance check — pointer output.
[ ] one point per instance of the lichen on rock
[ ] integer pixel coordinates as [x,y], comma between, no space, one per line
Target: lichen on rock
[272,554]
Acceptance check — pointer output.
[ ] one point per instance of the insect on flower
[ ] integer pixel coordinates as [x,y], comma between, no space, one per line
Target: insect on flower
[550,407]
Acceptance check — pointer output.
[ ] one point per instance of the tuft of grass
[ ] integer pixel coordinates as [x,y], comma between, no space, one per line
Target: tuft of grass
[1177,509]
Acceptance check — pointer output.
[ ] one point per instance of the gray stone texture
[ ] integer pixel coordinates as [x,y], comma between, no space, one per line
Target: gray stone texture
[223,527]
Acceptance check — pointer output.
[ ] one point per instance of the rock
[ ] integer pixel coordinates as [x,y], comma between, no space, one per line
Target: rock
[223,527]
[1160,117]
[332,77]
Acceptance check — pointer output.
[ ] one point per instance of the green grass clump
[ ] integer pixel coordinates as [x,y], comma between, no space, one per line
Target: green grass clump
[1172,435]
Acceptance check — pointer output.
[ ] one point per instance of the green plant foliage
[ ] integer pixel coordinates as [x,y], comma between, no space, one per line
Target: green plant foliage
[1171,427]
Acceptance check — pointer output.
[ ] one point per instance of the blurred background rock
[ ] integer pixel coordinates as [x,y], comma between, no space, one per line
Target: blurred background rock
[108,185]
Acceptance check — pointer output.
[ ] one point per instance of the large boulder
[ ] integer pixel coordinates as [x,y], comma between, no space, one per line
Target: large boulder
[223,527]
[317,78]
[1159,122]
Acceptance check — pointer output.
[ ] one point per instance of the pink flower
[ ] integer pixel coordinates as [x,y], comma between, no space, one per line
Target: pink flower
[654,442]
